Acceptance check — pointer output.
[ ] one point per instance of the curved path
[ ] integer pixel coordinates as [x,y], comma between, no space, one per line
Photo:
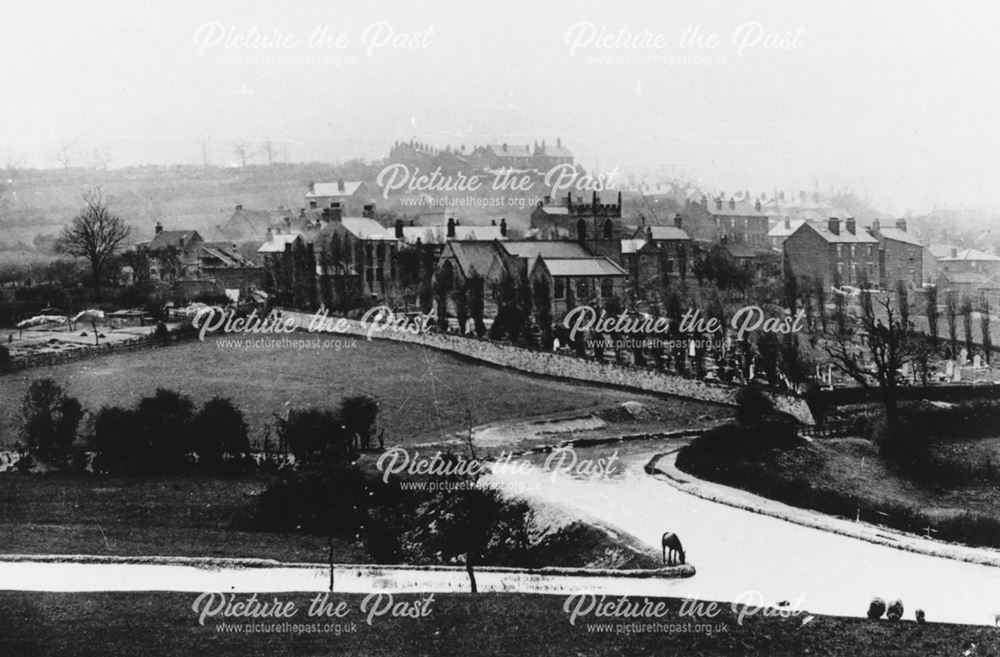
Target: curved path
[737,552]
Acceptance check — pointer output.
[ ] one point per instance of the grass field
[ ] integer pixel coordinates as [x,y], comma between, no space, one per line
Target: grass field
[110,624]
[180,516]
[423,394]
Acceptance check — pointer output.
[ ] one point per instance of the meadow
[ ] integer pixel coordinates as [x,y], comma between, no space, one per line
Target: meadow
[424,395]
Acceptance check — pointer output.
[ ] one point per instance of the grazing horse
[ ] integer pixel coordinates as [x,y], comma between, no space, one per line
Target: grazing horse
[673,544]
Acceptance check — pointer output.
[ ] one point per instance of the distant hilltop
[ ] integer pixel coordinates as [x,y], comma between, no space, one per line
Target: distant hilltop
[540,155]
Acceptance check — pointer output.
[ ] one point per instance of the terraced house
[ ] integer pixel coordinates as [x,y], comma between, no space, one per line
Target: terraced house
[833,254]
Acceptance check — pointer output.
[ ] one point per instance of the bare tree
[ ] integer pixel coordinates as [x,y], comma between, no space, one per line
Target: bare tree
[951,312]
[242,150]
[984,326]
[967,322]
[269,150]
[95,234]
[887,344]
[932,314]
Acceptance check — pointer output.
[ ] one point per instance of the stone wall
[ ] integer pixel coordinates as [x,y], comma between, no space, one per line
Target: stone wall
[51,359]
[564,366]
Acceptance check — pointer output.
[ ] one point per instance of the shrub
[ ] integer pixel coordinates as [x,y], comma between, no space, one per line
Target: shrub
[218,433]
[752,406]
[155,437]
[358,415]
[50,419]
[315,436]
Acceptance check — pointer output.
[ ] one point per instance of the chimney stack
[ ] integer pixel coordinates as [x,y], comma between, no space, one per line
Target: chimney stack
[718,203]
[368,211]
[399,229]
[340,184]
[756,205]
[678,220]
[503,227]
[834,225]
[159,228]
[451,229]
[788,222]
[901,224]
[850,225]
[876,225]
[732,203]
[239,207]
[954,252]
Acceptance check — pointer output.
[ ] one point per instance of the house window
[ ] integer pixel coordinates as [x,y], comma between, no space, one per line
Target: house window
[607,288]
[560,288]
[840,250]
[871,251]
[852,250]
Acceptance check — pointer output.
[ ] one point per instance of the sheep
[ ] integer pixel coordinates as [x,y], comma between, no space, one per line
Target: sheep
[920,617]
[876,608]
[895,611]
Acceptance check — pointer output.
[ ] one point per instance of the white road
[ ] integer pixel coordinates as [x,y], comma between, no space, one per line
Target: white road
[737,552]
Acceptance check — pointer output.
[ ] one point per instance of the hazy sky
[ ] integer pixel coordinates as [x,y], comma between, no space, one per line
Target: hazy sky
[897,99]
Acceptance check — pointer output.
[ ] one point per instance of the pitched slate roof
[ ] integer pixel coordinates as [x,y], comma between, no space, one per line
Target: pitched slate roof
[779,230]
[277,242]
[439,234]
[582,267]
[858,237]
[899,236]
[941,250]
[166,238]
[474,257]
[742,209]
[971,255]
[513,150]
[225,254]
[531,249]
[664,233]
[367,229]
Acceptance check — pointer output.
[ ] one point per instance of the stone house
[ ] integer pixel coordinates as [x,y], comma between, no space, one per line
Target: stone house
[832,254]
[901,255]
